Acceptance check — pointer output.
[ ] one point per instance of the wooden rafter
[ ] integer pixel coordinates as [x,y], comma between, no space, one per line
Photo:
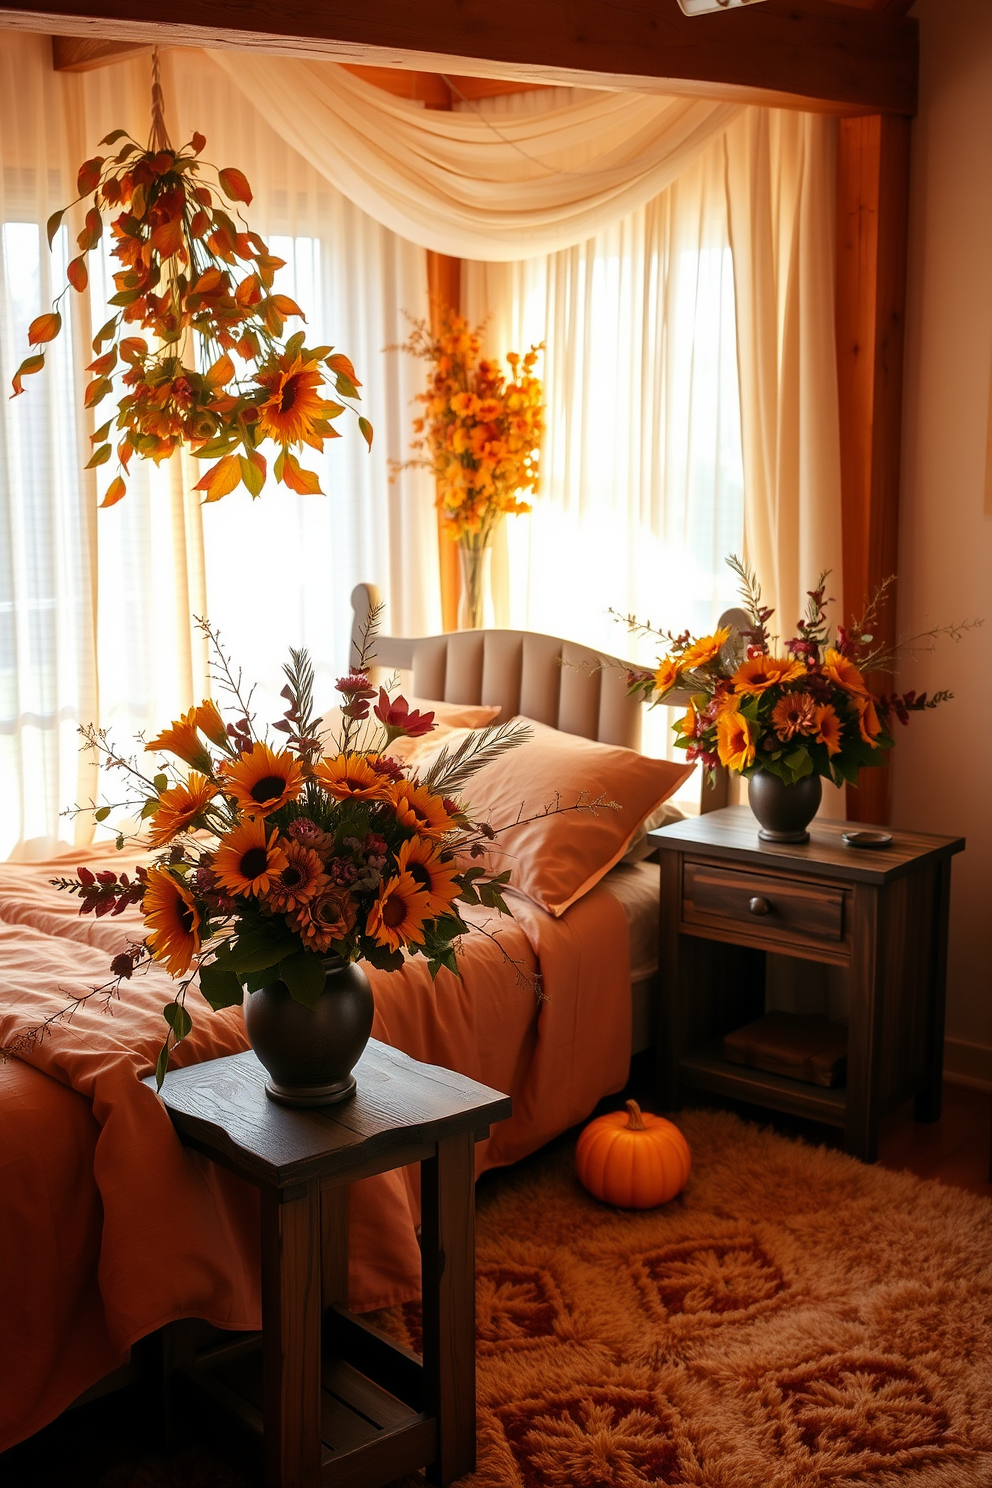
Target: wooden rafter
[798,53]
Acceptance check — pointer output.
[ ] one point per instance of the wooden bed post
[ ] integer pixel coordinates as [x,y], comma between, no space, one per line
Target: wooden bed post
[872,232]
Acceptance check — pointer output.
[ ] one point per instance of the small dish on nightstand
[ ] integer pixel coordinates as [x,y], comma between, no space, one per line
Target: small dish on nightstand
[866,839]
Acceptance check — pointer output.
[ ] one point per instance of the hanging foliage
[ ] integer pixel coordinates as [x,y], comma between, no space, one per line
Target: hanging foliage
[201,283]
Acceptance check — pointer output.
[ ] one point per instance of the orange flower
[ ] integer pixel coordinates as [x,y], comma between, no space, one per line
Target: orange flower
[349,777]
[688,726]
[734,744]
[261,779]
[704,650]
[181,739]
[171,916]
[794,714]
[666,676]
[397,917]
[869,723]
[294,405]
[246,861]
[300,881]
[762,672]
[419,810]
[181,808]
[829,729]
[432,873]
[329,916]
[844,673]
[210,722]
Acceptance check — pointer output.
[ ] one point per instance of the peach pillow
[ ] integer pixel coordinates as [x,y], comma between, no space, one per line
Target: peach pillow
[556,859]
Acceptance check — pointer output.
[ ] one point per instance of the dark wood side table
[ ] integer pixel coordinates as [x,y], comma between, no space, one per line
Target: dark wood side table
[727,898]
[330,1399]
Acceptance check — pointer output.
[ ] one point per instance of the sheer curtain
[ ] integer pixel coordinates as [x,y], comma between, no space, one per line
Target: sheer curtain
[642,481]
[96,607]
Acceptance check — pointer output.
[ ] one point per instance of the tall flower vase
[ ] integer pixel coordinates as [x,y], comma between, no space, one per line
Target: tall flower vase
[475,603]
[310,1052]
[784,811]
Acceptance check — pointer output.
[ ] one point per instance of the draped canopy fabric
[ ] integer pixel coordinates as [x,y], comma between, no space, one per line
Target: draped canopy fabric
[471,186]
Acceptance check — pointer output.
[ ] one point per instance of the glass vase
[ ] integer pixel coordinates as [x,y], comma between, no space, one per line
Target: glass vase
[475,601]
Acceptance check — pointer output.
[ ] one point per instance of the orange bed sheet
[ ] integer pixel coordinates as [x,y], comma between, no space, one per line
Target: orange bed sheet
[112,1229]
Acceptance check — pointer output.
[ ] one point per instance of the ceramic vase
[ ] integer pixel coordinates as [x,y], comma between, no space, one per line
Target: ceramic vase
[310,1052]
[784,811]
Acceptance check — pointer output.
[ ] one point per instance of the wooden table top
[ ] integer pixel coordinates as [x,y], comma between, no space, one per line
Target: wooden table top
[220,1108]
[732,833]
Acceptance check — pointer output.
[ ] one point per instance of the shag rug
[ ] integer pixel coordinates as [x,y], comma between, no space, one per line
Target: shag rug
[793,1320]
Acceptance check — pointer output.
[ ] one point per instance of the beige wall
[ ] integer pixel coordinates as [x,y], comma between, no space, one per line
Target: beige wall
[943,761]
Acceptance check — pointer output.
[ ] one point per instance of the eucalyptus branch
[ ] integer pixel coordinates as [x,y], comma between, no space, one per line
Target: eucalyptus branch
[886,659]
[223,672]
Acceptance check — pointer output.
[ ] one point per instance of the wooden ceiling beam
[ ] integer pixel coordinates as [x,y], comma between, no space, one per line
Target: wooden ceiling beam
[797,53]
[83,54]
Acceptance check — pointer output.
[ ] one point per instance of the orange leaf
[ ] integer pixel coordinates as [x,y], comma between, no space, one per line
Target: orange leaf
[199,224]
[167,238]
[44,328]
[97,391]
[132,348]
[208,281]
[248,292]
[88,178]
[286,306]
[220,373]
[77,275]
[306,482]
[105,363]
[366,431]
[234,185]
[198,142]
[340,363]
[30,364]
[220,478]
[115,491]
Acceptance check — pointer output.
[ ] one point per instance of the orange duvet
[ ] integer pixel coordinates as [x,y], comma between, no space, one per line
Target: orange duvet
[109,1228]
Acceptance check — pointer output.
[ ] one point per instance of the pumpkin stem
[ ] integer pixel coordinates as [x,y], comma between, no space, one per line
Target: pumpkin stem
[634,1121]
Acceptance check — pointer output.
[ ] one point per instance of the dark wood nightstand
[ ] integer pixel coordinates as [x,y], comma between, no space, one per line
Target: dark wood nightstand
[327,1398]
[727,899]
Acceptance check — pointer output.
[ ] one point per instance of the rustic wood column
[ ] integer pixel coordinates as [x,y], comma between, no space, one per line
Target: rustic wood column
[872,228]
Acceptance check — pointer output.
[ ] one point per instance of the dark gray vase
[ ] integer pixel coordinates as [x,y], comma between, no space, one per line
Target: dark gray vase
[310,1052]
[784,811]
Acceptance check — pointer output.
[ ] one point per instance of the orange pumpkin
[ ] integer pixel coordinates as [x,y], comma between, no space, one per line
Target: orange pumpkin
[632,1159]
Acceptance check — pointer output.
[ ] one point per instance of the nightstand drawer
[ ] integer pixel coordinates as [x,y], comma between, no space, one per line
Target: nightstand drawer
[802,913]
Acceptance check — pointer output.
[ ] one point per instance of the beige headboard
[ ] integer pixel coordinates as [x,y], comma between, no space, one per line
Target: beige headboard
[554,681]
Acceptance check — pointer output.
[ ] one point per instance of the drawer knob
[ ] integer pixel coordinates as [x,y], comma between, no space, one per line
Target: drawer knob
[759,905]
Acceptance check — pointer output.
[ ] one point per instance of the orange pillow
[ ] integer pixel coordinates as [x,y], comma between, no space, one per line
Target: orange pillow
[556,859]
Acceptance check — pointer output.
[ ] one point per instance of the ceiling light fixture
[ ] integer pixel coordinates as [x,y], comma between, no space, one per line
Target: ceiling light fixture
[700,7]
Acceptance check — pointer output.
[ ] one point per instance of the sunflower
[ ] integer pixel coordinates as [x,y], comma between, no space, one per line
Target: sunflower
[294,405]
[844,673]
[430,872]
[181,808]
[246,862]
[210,722]
[297,883]
[688,726]
[172,919]
[704,650]
[762,672]
[869,723]
[829,729]
[181,739]
[794,714]
[327,917]
[350,777]
[734,744]
[397,917]
[666,676]
[419,810]
[262,779]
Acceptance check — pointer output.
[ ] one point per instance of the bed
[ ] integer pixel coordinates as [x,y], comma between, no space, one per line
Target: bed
[114,1230]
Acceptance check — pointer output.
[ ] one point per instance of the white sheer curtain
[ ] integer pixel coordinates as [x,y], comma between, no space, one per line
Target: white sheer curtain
[642,482]
[96,607]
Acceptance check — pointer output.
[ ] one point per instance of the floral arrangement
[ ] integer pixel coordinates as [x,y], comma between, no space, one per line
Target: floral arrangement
[481,432]
[202,285]
[795,710]
[268,859]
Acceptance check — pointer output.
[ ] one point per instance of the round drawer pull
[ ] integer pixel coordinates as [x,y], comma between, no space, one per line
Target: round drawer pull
[759,905]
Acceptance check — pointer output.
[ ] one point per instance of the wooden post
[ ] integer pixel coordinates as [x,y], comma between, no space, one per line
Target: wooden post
[872,229]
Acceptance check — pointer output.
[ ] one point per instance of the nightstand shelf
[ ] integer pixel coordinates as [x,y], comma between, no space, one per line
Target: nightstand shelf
[728,900]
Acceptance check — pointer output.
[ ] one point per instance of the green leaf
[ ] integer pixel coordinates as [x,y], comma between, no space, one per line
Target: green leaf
[382,958]
[252,952]
[222,445]
[178,1019]
[161,782]
[104,334]
[252,477]
[304,975]
[294,345]
[101,433]
[220,986]
[98,457]
[54,223]
[365,428]
[114,136]
[161,1064]
[149,808]
[101,814]
[344,386]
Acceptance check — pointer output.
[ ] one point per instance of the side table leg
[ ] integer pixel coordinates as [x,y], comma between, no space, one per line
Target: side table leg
[448,1245]
[291,1337]
[864,1024]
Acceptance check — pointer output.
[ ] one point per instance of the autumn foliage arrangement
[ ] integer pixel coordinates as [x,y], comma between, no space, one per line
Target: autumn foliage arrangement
[271,854]
[793,709]
[195,352]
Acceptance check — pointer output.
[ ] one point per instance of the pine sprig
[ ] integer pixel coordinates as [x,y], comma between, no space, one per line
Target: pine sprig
[453,768]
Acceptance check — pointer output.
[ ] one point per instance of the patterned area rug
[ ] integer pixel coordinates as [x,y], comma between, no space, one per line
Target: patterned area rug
[793,1320]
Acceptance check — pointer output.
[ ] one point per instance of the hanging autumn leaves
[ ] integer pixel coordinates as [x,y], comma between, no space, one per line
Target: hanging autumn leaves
[202,285]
